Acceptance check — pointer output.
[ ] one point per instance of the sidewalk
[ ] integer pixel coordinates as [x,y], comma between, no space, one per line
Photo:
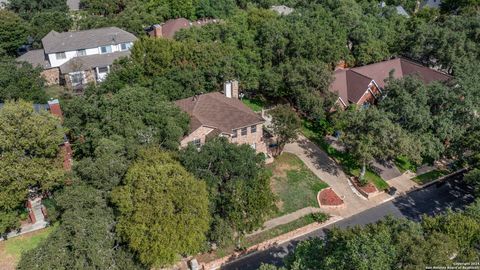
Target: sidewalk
[332,173]
[39,224]
[272,223]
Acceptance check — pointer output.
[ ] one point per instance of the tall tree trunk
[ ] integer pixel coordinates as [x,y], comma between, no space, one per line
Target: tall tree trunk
[362,173]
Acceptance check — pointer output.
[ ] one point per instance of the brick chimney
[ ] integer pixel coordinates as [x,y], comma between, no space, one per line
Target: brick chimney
[55,109]
[156,31]
[230,89]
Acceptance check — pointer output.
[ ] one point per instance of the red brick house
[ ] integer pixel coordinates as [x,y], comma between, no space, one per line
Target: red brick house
[363,85]
[222,114]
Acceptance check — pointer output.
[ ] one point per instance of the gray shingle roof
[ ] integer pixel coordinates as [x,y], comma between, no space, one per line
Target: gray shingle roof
[282,10]
[91,61]
[70,41]
[73,4]
[36,58]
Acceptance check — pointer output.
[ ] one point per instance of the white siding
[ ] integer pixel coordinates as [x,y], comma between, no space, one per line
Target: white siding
[72,54]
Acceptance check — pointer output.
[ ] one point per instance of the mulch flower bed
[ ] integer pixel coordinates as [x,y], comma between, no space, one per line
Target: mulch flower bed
[368,188]
[328,197]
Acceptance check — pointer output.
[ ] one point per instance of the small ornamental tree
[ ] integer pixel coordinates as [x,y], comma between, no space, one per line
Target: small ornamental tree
[368,134]
[163,209]
[286,125]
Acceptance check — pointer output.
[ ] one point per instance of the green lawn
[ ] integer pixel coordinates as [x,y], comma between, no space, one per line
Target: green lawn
[12,249]
[429,176]
[403,164]
[55,91]
[263,236]
[347,161]
[294,184]
[255,104]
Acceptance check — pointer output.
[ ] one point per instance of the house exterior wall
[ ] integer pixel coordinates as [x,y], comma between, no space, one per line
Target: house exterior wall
[252,139]
[370,95]
[199,133]
[52,76]
[72,54]
[89,77]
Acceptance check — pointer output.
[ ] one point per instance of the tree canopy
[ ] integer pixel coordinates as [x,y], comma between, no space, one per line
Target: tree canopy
[239,188]
[29,145]
[163,209]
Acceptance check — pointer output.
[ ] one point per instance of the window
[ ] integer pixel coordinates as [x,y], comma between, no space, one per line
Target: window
[235,133]
[244,131]
[81,52]
[253,129]
[196,142]
[76,78]
[60,56]
[106,49]
[125,46]
[103,70]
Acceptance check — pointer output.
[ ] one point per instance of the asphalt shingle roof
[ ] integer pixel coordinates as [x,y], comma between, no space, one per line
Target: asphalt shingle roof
[36,58]
[351,84]
[217,111]
[91,61]
[70,41]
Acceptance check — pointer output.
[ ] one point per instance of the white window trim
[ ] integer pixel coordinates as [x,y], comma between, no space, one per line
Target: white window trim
[75,73]
[111,49]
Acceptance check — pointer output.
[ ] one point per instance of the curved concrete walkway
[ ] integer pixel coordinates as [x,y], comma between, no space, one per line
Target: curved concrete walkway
[332,174]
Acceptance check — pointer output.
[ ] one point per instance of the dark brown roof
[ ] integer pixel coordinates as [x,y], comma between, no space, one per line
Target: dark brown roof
[217,111]
[351,84]
[170,27]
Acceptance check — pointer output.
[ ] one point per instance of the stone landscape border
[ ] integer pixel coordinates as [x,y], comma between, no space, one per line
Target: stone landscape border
[334,206]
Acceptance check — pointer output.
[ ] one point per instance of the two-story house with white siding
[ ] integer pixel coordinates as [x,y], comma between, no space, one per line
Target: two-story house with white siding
[75,59]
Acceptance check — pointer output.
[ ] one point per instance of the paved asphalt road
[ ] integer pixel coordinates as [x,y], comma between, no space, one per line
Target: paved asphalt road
[453,193]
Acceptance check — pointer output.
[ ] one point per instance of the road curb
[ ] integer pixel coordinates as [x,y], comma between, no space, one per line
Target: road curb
[281,239]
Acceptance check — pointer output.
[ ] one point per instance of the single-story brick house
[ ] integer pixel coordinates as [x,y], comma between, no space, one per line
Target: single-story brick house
[222,114]
[363,85]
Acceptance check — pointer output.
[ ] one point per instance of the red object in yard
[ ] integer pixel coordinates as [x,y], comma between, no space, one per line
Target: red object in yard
[44,212]
[328,197]
[31,217]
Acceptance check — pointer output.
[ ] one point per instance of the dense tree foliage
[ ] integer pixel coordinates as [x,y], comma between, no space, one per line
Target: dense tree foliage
[21,81]
[85,238]
[29,144]
[135,114]
[369,134]
[239,188]
[13,32]
[285,125]
[163,209]
[393,244]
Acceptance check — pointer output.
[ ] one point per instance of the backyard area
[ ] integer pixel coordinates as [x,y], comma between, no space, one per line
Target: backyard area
[347,161]
[12,249]
[255,104]
[294,184]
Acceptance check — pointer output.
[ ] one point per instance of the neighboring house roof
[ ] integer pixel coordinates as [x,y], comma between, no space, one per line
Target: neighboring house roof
[73,5]
[36,58]
[217,111]
[400,10]
[431,4]
[351,84]
[91,61]
[170,27]
[70,41]
[282,10]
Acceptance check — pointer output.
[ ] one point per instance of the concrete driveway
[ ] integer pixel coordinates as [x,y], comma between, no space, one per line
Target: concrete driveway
[332,174]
